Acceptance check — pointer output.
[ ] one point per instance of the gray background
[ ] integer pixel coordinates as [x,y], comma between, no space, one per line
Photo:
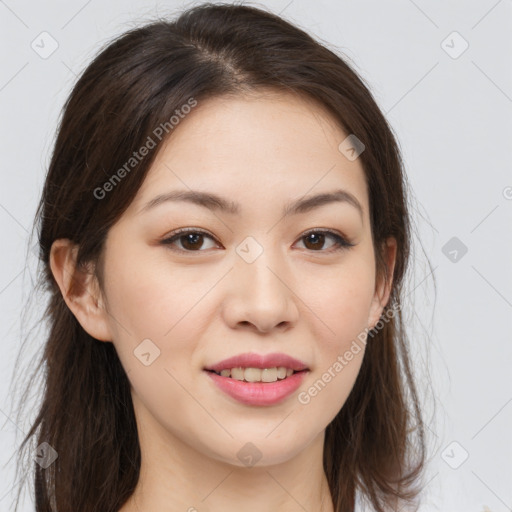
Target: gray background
[451,111]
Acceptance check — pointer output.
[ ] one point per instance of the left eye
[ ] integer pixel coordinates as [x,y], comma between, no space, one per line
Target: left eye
[318,237]
[192,239]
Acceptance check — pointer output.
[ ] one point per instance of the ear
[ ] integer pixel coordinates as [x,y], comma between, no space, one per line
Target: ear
[383,285]
[80,289]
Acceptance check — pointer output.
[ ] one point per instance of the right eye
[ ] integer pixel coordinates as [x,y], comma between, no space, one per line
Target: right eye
[191,239]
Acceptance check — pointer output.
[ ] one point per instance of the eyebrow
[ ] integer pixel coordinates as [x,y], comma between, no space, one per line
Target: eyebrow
[215,202]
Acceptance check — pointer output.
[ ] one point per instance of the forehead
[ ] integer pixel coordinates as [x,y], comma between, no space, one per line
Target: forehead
[261,120]
[259,145]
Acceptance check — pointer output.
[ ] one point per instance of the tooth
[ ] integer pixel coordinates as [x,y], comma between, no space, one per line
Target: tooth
[237,373]
[252,374]
[257,374]
[269,375]
[281,372]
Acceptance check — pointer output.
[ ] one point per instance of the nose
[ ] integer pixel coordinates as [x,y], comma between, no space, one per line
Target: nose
[260,296]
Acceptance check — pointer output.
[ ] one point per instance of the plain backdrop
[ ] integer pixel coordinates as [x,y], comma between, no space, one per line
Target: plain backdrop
[441,73]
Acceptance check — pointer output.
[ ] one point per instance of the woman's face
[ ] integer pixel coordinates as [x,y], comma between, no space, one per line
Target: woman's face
[254,281]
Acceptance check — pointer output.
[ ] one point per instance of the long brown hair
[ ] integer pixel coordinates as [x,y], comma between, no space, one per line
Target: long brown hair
[376,444]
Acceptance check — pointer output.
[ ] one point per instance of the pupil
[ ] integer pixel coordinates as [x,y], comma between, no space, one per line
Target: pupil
[318,241]
[192,238]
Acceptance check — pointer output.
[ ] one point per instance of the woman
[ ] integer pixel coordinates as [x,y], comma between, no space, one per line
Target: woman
[224,233]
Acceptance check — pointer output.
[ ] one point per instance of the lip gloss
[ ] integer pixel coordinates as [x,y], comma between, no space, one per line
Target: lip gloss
[258,393]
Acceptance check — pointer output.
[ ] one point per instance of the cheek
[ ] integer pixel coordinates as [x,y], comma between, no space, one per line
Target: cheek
[341,309]
[146,295]
[340,301]
[150,300]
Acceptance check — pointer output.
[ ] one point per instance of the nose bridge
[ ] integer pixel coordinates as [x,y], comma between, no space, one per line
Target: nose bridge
[262,297]
[258,266]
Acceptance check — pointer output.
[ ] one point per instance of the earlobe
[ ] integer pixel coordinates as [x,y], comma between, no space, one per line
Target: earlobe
[80,289]
[384,285]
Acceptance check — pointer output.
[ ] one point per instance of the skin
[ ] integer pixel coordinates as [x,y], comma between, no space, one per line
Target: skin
[205,305]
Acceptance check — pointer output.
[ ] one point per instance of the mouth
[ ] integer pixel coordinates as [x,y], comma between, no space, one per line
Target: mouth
[257,386]
[264,375]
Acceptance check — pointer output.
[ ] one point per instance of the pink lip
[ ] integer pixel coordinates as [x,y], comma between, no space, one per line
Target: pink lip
[252,360]
[258,393]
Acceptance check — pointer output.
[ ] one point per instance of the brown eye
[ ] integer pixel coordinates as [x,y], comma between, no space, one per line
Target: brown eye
[191,240]
[316,240]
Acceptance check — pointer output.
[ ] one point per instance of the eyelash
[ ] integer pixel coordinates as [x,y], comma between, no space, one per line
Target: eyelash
[343,243]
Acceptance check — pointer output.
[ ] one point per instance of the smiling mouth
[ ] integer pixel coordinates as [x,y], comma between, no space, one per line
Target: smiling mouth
[257,374]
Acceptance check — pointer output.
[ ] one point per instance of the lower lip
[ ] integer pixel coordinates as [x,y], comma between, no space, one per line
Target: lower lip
[258,393]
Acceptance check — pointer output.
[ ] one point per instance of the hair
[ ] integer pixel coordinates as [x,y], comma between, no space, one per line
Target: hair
[135,84]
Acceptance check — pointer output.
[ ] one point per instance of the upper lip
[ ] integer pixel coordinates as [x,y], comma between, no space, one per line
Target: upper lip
[252,360]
